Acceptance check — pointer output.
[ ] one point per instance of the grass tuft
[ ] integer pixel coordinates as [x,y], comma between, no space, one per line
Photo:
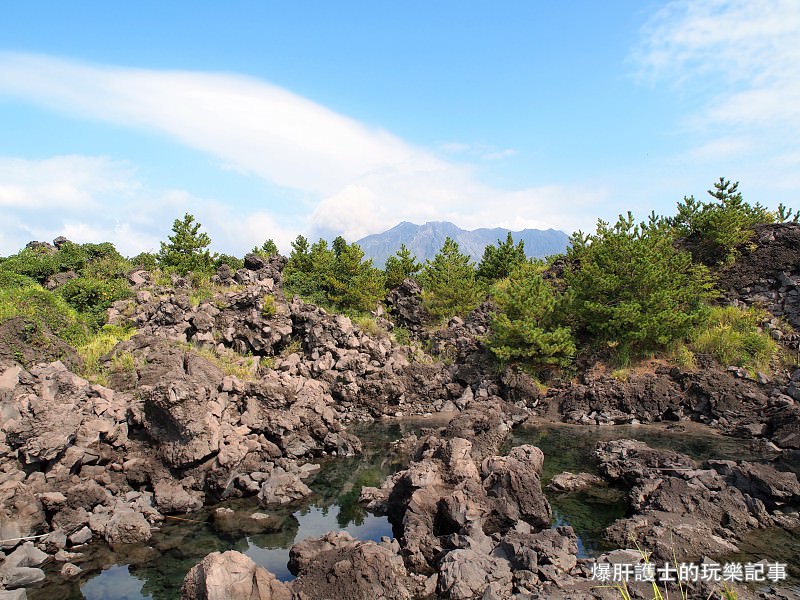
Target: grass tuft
[734,337]
[100,345]
[369,325]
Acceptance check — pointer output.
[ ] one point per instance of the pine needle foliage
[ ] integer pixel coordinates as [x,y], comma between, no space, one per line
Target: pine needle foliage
[632,289]
[187,249]
[526,328]
[449,285]
[268,249]
[400,266]
[501,260]
[719,227]
[336,276]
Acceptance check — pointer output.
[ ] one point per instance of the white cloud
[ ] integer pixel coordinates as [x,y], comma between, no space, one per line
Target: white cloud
[483,151]
[452,195]
[63,182]
[722,148]
[94,199]
[732,67]
[499,154]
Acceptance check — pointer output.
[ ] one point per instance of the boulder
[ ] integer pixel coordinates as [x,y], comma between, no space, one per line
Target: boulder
[761,481]
[516,479]
[282,488]
[339,566]
[172,497]
[127,527]
[567,482]
[232,576]
[19,568]
[465,574]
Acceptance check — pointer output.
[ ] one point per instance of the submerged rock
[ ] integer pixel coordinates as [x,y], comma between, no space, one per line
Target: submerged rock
[567,482]
[281,487]
[679,506]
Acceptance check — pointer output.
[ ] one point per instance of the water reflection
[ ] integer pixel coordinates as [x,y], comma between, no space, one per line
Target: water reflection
[156,571]
[115,582]
[315,522]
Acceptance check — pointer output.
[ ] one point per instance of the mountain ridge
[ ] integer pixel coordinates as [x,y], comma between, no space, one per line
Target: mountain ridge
[425,240]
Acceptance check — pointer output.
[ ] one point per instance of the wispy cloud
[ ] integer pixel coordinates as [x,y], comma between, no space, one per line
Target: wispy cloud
[732,68]
[363,179]
[744,54]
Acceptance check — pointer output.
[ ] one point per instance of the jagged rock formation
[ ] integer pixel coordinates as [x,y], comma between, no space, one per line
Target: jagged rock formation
[705,509]
[173,431]
[367,376]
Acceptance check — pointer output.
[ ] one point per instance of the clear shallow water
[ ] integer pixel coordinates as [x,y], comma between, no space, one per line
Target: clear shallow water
[571,447]
[156,571]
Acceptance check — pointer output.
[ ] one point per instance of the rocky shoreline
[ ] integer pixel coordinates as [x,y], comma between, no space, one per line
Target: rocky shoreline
[175,430]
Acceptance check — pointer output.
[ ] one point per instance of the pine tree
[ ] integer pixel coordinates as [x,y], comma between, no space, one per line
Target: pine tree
[187,249]
[400,266]
[526,328]
[334,276]
[449,286]
[267,249]
[499,261]
[299,259]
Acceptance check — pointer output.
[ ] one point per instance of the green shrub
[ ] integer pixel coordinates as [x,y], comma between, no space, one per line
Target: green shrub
[228,361]
[91,297]
[401,335]
[268,306]
[162,278]
[35,263]
[98,346]
[684,357]
[201,288]
[226,259]
[295,346]
[369,325]
[92,260]
[38,306]
[10,280]
[733,336]
[526,328]
[145,260]
[123,361]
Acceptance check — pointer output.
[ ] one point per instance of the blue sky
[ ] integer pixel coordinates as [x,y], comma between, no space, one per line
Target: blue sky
[269,119]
